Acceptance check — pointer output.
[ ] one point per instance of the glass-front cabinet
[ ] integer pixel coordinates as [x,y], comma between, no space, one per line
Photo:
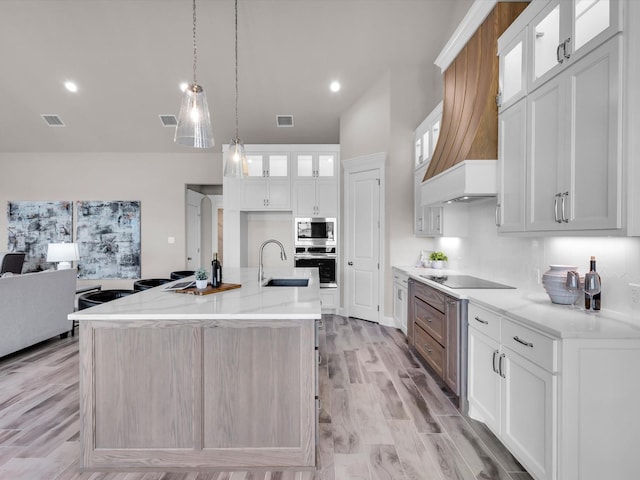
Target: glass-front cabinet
[512,78]
[268,183]
[309,165]
[565,30]
[315,184]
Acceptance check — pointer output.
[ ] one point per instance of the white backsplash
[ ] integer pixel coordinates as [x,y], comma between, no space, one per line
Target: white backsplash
[520,260]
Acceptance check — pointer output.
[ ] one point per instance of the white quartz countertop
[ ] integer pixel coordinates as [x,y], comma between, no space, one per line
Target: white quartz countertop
[535,309]
[252,301]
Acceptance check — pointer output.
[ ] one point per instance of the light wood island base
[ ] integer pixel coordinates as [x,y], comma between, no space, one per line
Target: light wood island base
[197,394]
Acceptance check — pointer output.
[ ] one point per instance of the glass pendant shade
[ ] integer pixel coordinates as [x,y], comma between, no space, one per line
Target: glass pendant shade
[194,123]
[235,164]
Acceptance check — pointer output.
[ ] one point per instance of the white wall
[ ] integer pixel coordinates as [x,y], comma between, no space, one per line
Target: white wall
[157,180]
[263,226]
[520,260]
[383,120]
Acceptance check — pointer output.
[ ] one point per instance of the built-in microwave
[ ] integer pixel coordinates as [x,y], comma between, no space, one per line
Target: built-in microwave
[315,231]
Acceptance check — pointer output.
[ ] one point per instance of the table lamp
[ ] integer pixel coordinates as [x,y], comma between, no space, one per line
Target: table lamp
[63,253]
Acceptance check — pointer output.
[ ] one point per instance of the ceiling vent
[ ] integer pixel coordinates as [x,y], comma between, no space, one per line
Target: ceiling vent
[168,120]
[284,120]
[53,120]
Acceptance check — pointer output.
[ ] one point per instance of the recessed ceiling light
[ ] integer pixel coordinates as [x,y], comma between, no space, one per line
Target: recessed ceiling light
[72,87]
[183,87]
[335,86]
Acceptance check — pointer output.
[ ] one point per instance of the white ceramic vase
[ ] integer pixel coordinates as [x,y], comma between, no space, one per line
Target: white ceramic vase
[201,284]
[554,282]
[437,264]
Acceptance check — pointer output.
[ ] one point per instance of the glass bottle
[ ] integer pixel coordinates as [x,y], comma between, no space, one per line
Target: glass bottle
[589,302]
[216,272]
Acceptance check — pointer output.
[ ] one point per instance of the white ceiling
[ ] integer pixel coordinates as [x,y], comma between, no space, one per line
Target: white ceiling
[129,56]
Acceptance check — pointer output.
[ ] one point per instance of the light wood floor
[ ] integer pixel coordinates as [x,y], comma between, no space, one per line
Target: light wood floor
[383,416]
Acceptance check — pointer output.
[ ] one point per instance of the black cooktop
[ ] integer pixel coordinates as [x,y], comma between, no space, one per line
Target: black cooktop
[464,281]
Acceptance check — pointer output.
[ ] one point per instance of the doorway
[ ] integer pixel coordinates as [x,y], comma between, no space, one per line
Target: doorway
[203,224]
[364,224]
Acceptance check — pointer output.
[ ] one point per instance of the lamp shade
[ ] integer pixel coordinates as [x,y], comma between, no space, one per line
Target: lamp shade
[64,253]
[235,164]
[194,123]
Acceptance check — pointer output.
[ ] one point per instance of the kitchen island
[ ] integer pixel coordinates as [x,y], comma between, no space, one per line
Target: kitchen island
[188,382]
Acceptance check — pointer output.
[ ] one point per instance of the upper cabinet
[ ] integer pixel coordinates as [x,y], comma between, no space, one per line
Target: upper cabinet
[512,80]
[565,30]
[574,162]
[548,37]
[268,184]
[315,184]
[298,178]
[566,135]
[426,137]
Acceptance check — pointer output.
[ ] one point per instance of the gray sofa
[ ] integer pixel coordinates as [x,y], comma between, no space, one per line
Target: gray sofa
[34,307]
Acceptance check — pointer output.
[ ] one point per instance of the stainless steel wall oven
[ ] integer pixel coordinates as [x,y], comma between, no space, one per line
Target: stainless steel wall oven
[322,258]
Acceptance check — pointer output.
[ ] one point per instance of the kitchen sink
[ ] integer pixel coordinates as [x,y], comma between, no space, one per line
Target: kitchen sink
[287,282]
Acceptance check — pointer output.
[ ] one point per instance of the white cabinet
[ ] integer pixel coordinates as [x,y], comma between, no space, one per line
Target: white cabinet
[574,146]
[513,387]
[483,383]
[564,407]
[426,136]
[512,79]
[268,184]
[400,298]
[565,30]
[512,161]
[315,184]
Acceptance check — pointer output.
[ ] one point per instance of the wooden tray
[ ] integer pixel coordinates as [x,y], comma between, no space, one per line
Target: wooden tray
[206,291]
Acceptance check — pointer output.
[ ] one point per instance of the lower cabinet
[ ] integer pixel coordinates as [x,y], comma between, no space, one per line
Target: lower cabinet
[510,392]
[400,298]
[433,329]
[566,408]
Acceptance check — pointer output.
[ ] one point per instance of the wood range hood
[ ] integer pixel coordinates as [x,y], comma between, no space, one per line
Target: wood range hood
[469,127]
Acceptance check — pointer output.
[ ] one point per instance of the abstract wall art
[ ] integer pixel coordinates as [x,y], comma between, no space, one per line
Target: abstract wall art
[108,237]
[33,225]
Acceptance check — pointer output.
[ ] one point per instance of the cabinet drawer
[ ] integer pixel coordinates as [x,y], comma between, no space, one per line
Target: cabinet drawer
[534,346]
[485,321]
[430,319]
[429,349]
[429,295]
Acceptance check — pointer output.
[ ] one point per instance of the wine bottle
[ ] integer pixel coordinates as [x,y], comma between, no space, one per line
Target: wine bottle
[596,298]
[216,272]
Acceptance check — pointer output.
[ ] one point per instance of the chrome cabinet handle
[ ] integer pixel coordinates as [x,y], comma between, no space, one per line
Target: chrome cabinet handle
[478,319]
[501,373]
[523,342]
[497,214]
[349,263]
[555,208]
[564,48]
[558,57]
[493,361]
[425,346]
[565,219]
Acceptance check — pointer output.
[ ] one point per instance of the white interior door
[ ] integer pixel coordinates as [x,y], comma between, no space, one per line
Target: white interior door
[362,232]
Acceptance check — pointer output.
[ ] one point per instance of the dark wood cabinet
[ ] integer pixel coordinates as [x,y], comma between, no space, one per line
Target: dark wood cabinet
[434,331]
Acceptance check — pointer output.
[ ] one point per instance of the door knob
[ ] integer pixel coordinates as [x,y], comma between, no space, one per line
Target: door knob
[349,263]
[189,258]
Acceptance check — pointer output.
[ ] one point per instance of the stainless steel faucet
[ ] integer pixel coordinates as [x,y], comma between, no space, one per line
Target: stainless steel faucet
[283,256]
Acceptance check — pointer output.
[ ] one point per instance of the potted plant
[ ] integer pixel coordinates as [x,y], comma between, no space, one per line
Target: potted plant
[201,278]
[437,259]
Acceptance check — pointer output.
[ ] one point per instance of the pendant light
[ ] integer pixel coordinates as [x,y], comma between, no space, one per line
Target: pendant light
[194,123]
[236,162]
